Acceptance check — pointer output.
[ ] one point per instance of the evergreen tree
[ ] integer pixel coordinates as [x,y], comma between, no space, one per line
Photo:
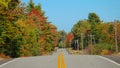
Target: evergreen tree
[94,20]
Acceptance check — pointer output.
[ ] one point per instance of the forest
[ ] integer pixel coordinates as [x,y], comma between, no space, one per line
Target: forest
[96,36]
[25,31]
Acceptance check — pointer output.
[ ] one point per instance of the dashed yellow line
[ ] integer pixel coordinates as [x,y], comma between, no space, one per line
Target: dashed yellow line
[61,61]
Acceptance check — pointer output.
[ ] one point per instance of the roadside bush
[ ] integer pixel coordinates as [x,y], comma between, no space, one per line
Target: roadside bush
[105,52]
[102,49]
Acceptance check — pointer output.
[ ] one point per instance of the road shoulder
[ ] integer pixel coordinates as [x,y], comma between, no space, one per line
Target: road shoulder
[110,60]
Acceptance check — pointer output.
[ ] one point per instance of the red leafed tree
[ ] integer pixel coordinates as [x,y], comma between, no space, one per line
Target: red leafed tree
[38,18]
[70,36]
[37,14]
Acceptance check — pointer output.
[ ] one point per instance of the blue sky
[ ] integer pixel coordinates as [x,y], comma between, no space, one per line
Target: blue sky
[65,13]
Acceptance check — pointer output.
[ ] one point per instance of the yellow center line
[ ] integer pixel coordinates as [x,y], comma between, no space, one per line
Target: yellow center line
[61,61]
[59,65]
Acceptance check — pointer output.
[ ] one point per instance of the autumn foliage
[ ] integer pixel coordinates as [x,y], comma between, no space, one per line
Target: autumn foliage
[97,36]
[25,31]
[69,39]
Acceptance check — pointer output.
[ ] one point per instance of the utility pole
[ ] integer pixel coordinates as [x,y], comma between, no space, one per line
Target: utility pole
[82,41]
[115,27]
[91,44]
[94,39]
[77,44]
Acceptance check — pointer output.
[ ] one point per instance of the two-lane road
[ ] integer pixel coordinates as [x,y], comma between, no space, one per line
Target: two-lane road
[71,61]
[89,61]
[32,62]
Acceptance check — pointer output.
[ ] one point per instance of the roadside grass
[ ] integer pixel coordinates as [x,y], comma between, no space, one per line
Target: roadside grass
[2,56]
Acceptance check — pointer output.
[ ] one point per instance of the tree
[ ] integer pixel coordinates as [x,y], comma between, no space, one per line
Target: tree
[25,33]
[10,34]
[69,39]
[30,6]
[13,4]
[62,38]
[94,20]
[4,3]
[81,27]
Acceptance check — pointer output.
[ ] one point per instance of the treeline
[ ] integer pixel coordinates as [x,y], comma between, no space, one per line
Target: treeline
[96,36]
[24,29]
[64,39]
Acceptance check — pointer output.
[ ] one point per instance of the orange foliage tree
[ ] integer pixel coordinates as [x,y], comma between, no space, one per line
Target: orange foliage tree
[70,36]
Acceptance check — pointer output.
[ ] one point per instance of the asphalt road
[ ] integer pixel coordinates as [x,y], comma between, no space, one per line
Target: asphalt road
[64,52]
[71,61]
[114,58]
[4,61]
[89,61]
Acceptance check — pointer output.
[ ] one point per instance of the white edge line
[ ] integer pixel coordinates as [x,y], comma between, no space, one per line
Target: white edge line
[9,62]
[109,60]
